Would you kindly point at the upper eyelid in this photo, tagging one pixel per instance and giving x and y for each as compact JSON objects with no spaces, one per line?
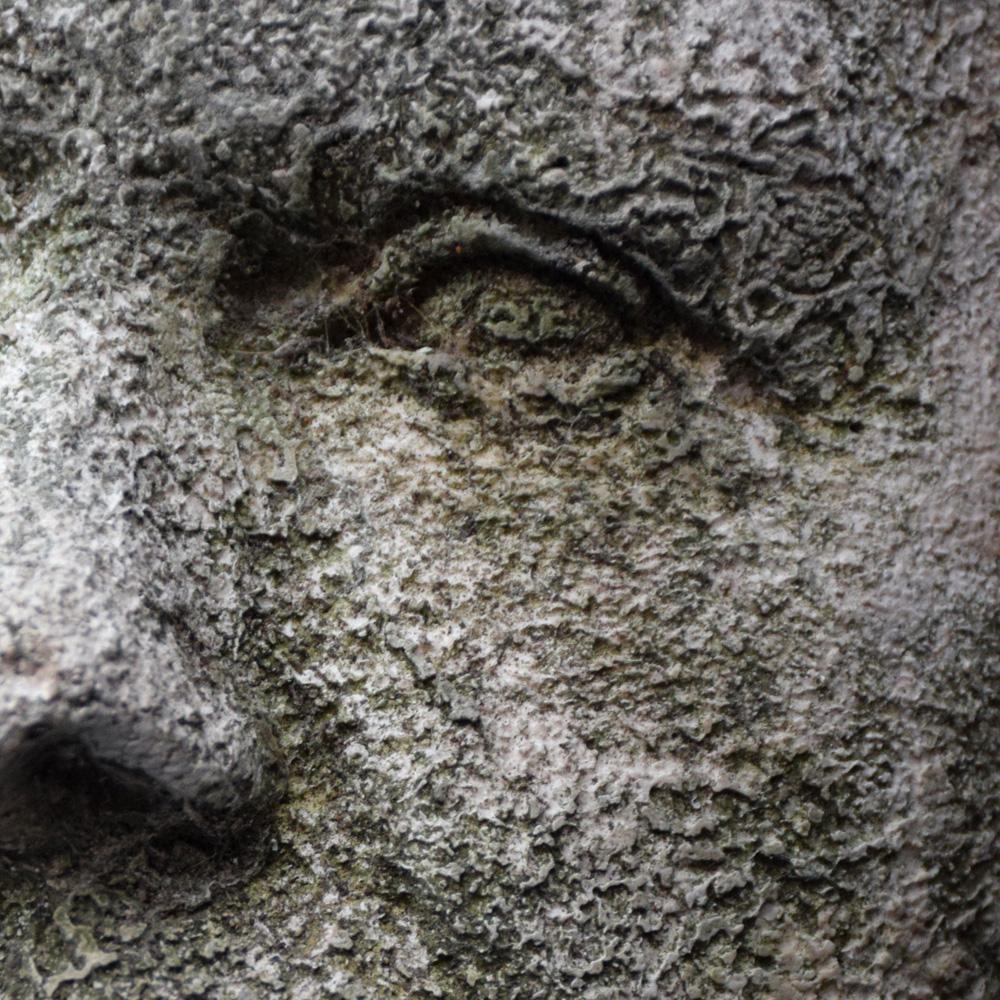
{"x":461,"y":239}
{"x":409,"y":263}
{"x":626,"y":278}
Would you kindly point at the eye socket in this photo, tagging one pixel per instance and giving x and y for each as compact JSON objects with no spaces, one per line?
{"x":531,"y":327}
{"x":472,"y":284}
{"x":481,"y":315}
{"x":534,"y":283}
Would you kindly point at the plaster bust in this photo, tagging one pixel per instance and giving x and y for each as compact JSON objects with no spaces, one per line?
{"x":498,"y":500}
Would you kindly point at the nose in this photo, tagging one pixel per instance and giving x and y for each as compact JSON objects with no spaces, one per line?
{"x":89,"y":653}
{"x":85,"y":660}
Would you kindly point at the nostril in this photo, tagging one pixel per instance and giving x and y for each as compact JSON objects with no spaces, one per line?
{"x":66,"y":782}
{"x":94,"y":684}
{"x":35,"y":733}
{"x":54,"y":795}
{"x":113,"y":745}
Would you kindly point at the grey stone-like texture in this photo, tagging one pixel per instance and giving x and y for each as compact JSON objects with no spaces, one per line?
{"x":499,"y":499}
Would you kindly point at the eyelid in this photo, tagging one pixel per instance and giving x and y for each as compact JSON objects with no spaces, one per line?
{"x":416,"y":254}
{"x":411,"y":263}
{"x":625,"y":278}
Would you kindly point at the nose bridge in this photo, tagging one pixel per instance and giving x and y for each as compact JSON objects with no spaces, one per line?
{"x":85,"y":654}
{"x":70,"y":563}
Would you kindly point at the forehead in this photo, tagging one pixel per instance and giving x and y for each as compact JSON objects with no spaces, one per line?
{"x":730,"y":48}
{"x":184,"y":63}
{"x":540,"y":75}
{"x":745,"y":149}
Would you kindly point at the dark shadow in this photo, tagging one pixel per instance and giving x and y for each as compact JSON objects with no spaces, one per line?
{"x":57,"y":800}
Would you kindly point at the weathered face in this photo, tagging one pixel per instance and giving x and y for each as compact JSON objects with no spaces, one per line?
{"x":563,"y":437}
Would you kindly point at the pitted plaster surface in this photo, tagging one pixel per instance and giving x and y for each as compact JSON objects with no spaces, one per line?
{"x":498,"y":500}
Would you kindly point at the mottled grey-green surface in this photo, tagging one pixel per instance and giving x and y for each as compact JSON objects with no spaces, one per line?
{"x":499,"y":499}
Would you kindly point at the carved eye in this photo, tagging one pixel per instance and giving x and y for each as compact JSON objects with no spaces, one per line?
{"x":479,"y":312}
{"x":490,"y":310}
{"x":487,"y":282}
{"x":480,"y":315}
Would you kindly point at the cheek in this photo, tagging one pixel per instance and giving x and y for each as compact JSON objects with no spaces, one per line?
{"x":620,"y":662}
{"x":662,"y":575}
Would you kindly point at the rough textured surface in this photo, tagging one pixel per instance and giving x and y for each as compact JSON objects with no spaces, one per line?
{"x":499,"y":499}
